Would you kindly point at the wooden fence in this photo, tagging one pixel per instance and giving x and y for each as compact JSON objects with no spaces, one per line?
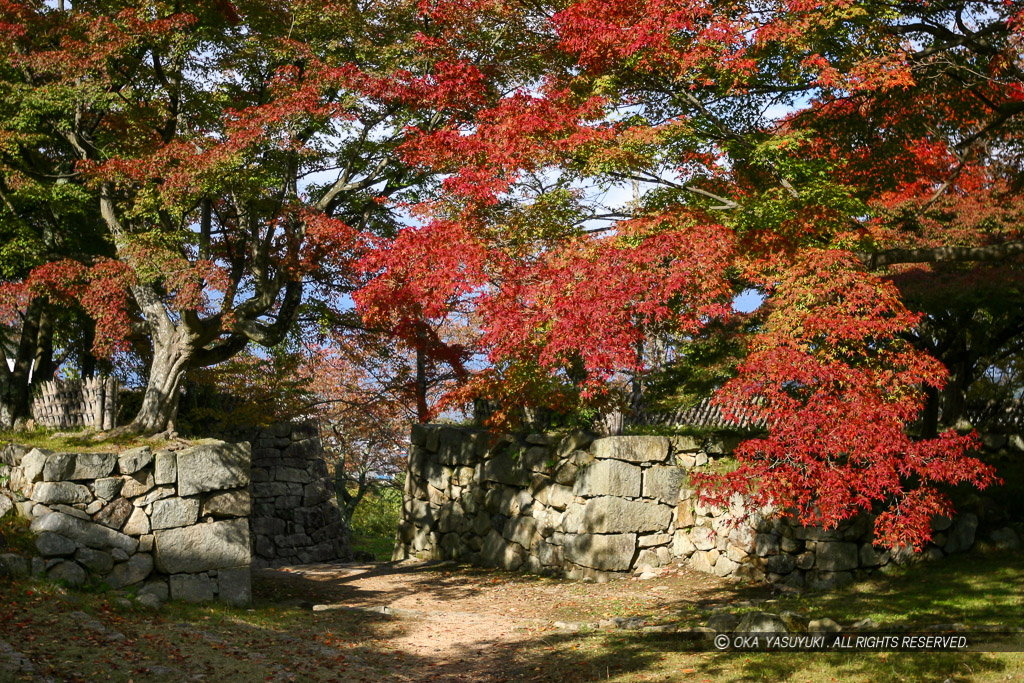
{"x":64,"y":404}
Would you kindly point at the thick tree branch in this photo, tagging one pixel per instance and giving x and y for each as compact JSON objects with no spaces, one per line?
{"x":991,"y":252}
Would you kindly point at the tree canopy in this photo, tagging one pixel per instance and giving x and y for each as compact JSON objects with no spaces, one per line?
{"x":582,"y":188}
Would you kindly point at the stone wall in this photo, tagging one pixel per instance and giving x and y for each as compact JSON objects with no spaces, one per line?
{"x":295,"y":514}
{"x":181,"y":523}
{"x":579,"y":506}
{"x":171,"y":522}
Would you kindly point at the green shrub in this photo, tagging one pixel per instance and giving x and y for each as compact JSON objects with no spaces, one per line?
{"x":375,"y":521}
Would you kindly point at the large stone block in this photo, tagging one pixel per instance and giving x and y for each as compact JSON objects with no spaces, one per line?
{"x":549,"y":493}
{"x":96,"y":561}
{"x":234,"y":586}
{"x":133,"y":460}
{"x":107,"y":488}
{"x":607,"y":552}
{"x":138,"y":484}
{"x":212,"y":467}
{"x":138,"y":523}
{"x":115,"y":514}
{"x":961,"y":534}
{"x":165,"y":467}
{"x":608,"y":478}
{"x":192,"y":587}
{"x":608,"y":514}
{"x":203,"y":546}
{"x":504,"y":470}
{"x":640,"y":449}
{"x":521,"y":530}
{"x":84,"y":532}
{"x":663,"y":483}
{"x":50,"y":492}
{"x":836,"y":556}
{"x":174,"y":512}
{"x":90,"y":465}
{"x":237,"y":503}
{"x":497,"y":552}
{"x":33,"y":464}
{"x":54,"y":545}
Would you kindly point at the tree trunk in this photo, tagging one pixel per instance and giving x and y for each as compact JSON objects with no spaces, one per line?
{"x":172,"y":351}
{"x":16,"y":376}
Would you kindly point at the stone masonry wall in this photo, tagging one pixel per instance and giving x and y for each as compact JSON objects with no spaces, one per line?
{"x":295,"y":515}
{"x":172,"y":523}
{"x":578,"y":506}
{"x":186,"y":524}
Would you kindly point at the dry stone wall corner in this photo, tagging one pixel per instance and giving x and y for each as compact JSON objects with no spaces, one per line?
{"x":182,"y":524}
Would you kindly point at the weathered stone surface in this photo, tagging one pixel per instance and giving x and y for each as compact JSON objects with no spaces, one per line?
{"x":96,"y":561}
{"x":137,"y":484}
{"x":14,"y":566}
{"x":138,"y":524}
{"x":497,"y":552}
{"x":50,"y":544}
{"x":91,"y":465}
{"x":824,"y":625}
{"x":135,"y":570}
{"x":115,"y":514}
{"x":234,"y":586}
{"x":174,"y":512}
{"x":961,"y":534}
{"x":632,"y":448}
{"x":607,"y":552}
{"x":83,"y":532}
{"x":107,"y":488}
{"x":165,"y":467}
{"x":608,"y":478}
{"x":780,"y":564}
{"x":761,"y":622}
{"x":682,"y":546}
{"x":92,"y":508}
{"x":725,"y":566}
{"x":1005,"y":539}
{"x":67,"y":572}
{"x":203,"y":547}
{"x":651,"y":540}
{"x":192,"y":587}
{"x":212,"y":467}
{"x":872,"y":557}
{"x":608,"y":514}
{"x":159,"y":493}
{"x":133,"y":460}
{"x":316,"y":492}
{"x":663,"y":483}
{"x":704,"y":560}
{"x":766,"y":544}
{"x":33,"y":463}
{"x":521,"y":530}
{"x":723,"y":622}
{"x":551,"y":494}
{"x":237,"y":503}
{"x":58,"y":466}
{"x":703,"y":538}
{"x":550,"y":555}
{"x":576,"y":441}
{"x":504,"y":470}
{"x":685,"y":444}
{"x":836,"y":556}
{"x":50,"y":492}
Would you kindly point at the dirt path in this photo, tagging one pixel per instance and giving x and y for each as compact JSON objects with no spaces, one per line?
{"x":474,"y":624}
